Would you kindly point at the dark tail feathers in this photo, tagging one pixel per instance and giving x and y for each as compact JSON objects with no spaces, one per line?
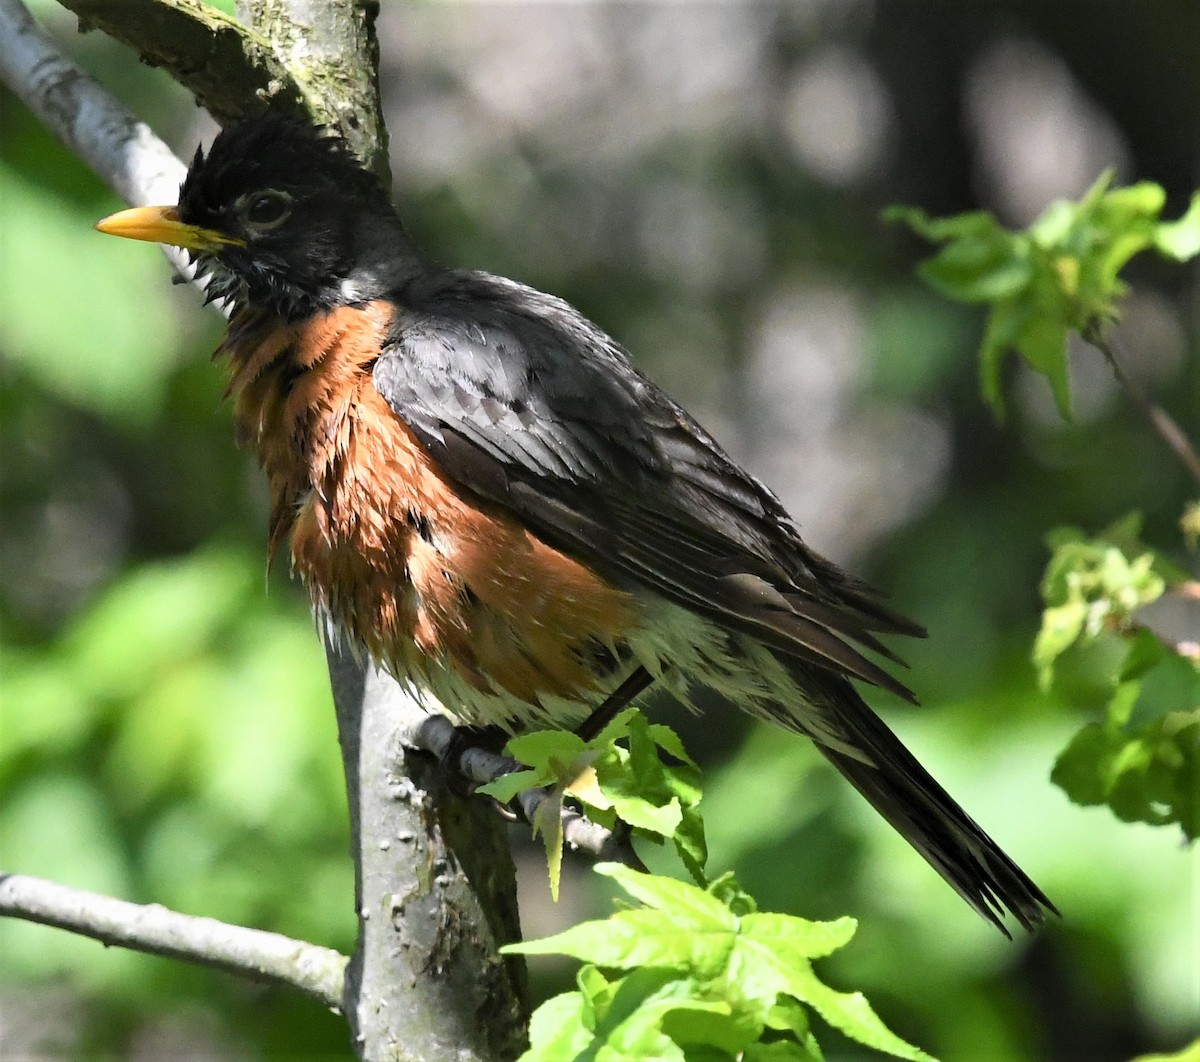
{"x":905,"y":794}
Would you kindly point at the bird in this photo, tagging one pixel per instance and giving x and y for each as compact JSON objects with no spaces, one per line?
{"x":483,"y":493}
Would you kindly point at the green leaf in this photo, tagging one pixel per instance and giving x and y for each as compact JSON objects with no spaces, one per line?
{"x":509,"y":785}
{"x":547,"y":821}
{"x":1090,"y":585}
{"x":974,"y":224}
{"x":711,"y":1024}
{"x":1151,"y":776}
{"x":556,"y":1031}
{"x":691,"y":845}
{"x":797,"y":936}
{"x":1061,"y":625}
{"x":685,"y":930}
{"x":1180,"y":239}
{"x":659,"y":892}
{"x":783,"y":1051}
{"x":1053,"y":226}
{"x":788,"y":1014}
{"x":1061,"y":274}
{"x":1043,"y":345}
{"x":1082,"y":768}
{"x":730,"y":893}
{"x":667,"y":740}
{"x":850,"y":1013}
{"x":617,"y":729}
{"x":597,"y":992}
{"x":632,"y":1028}
{"x":643,"y":791}
{"x":538,"y":747}
{"x":1170,"y":686}
{"x":738,"y":965}
{"x":1006,"y":321}
{"x":1189,"y":524}
{"x":984,"y":268}
{"x":1191,"y":1053}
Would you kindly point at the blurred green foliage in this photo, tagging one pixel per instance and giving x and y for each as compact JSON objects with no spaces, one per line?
{"x":174,"y":743}
{"x":1143,"y":758}
{"x":165,"y":732}
{"x":1059,"y":275}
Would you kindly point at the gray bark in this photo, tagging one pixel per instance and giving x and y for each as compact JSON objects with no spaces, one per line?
{"x":435,"y":885}
{"x":435,"y":890}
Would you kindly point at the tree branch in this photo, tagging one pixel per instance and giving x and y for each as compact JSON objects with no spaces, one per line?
{"x":207,"y":51}
{"x":317,"y":972}
{"x":234,"y":67}
{"x":435,"y":883}
{"x":435,"y":887}
{"x":122,"y":151}
{"x":1157,"y":417}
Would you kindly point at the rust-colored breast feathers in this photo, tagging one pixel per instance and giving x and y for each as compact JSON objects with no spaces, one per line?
{"x":417,"y":570}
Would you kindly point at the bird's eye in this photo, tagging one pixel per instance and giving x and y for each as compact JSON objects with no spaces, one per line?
{"x":265,"y":210}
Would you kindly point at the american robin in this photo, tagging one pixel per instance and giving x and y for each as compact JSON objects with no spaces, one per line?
{"x":479,"y":488}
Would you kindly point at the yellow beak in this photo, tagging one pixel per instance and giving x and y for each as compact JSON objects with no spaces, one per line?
{"x":162,"y":225}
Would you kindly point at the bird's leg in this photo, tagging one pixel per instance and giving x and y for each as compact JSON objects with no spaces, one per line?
{"x":493,"y":738}
{"x":637,"y":681}
{"x":490,"y":738}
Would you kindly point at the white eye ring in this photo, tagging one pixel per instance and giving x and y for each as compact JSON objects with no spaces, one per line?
{"x":265,"y":209}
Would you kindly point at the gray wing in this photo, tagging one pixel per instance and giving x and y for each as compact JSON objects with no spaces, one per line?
{"x":526,"y":404}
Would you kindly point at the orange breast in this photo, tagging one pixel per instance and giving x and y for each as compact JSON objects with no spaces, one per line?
{"x":416,"y":569}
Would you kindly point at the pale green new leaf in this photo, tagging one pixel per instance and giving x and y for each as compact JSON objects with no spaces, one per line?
{"x":556,"y":1031}
{"x":1180,"y":239}
{"x":509,"y":785}
{"x":783,"y":1051}
{"x":852,"y":1014}
{"x":643,"y":937}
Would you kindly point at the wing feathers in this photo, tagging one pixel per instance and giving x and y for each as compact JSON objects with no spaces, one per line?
{"x":531,"y":407}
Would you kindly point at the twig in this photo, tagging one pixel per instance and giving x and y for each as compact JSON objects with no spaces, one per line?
{"x":225,"y":64}
{"x":1157,"y":417}
{"x":125,"y":154}
{"x":233,"y":67}
{"x":436,"y":735}
{"x":434,"y":881}
{"x":317,"y":972}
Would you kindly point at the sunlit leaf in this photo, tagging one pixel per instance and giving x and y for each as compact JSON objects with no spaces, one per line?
{"x":1061,"y":274}
{"x":556,"y":1031}
{"x":1181,"y":239}
{"x":730,"y":967}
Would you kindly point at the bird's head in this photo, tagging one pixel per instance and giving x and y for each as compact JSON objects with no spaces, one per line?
{"x":282,"y":215}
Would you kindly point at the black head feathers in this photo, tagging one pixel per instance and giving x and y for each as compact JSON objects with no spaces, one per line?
{"x":313,"y":227}
{"x":274,"y":150}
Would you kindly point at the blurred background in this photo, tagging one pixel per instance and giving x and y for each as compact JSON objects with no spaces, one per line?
{"x":705,"y":181}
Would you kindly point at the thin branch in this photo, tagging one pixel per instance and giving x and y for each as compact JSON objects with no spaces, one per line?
{"x":226,"y":65}
{"x":86,"y":117}
{"x":1157,"y":417}
{"x":234,"y":67}
{"x":436,"y":735}
{"x":434,"y":880}
{"x":317,"y":972}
